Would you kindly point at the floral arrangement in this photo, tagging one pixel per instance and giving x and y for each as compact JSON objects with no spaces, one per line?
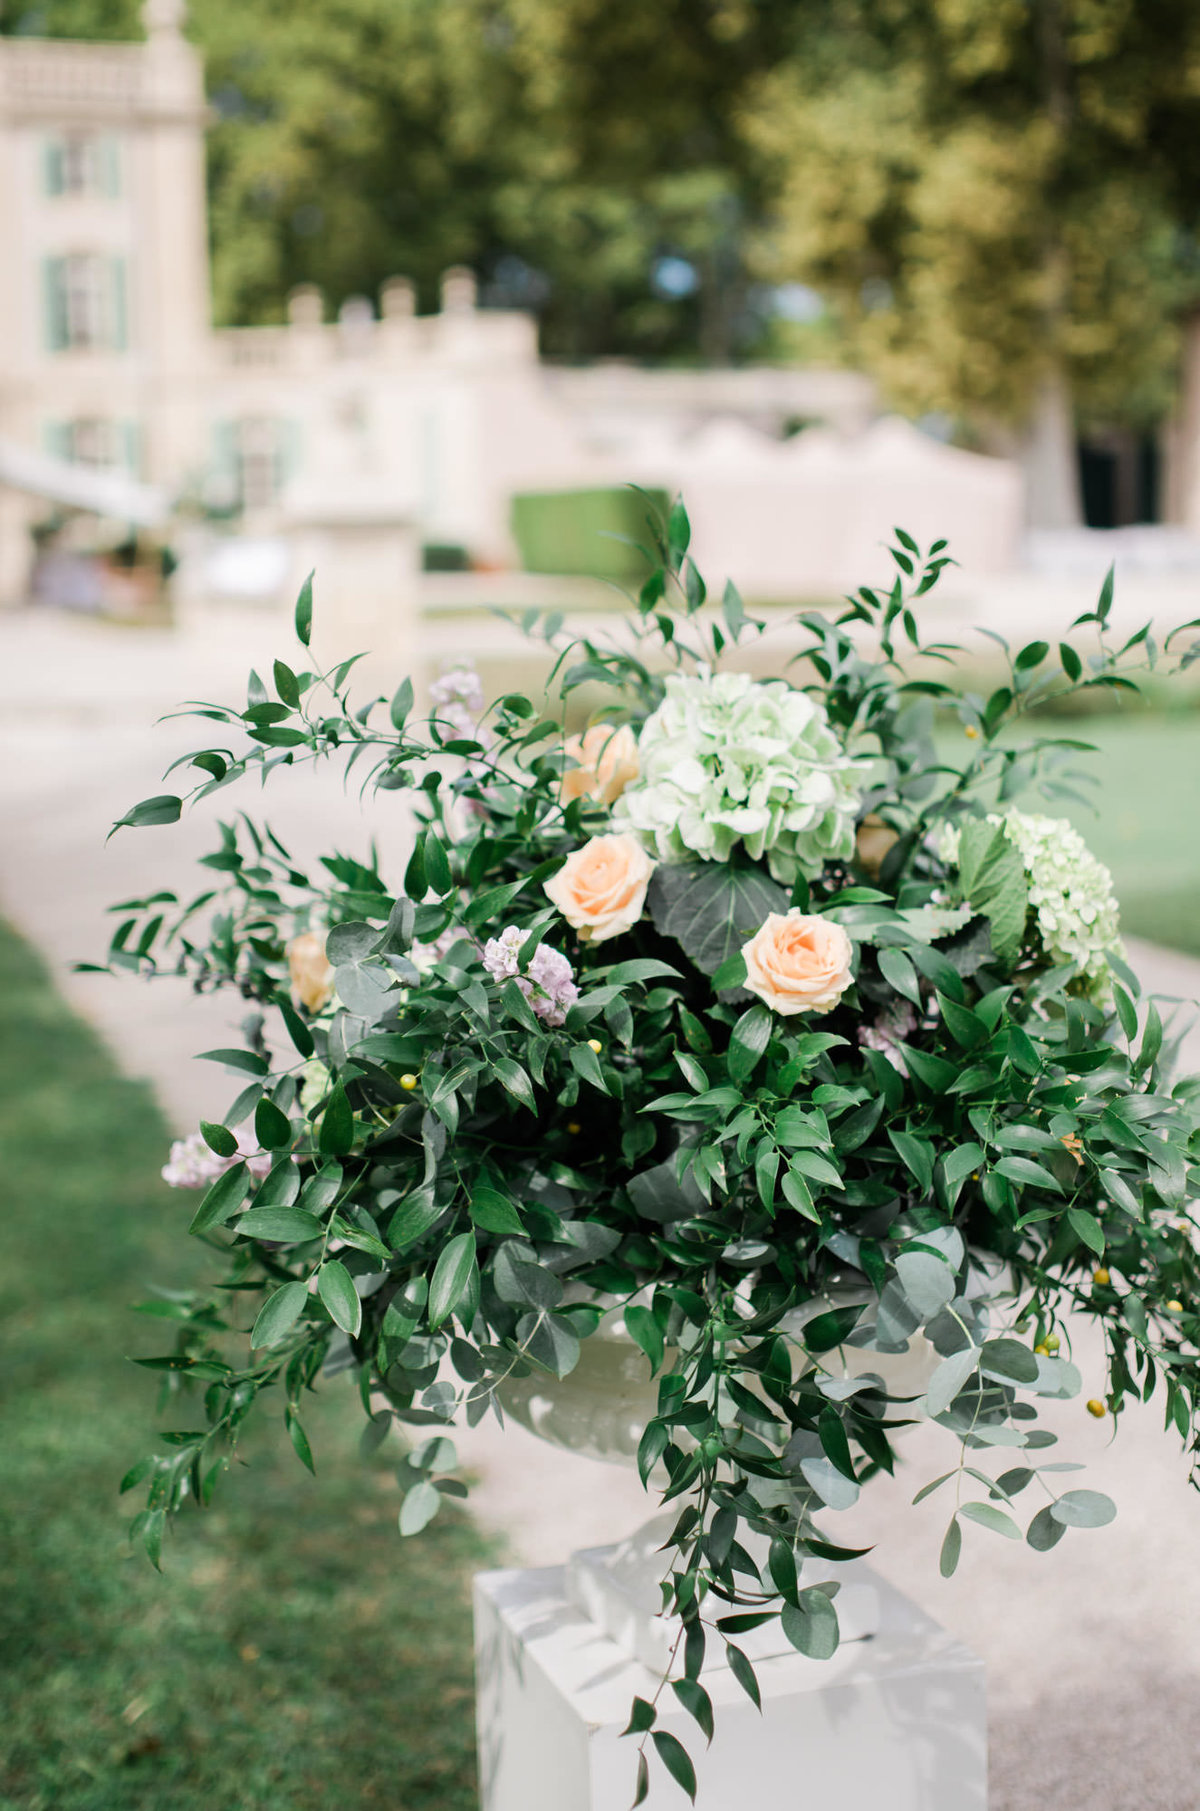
{"x":740,"y":1014}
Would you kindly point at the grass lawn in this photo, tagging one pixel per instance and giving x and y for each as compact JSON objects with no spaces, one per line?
{"x":1146,"y":825}
{"x":296,"y":1655}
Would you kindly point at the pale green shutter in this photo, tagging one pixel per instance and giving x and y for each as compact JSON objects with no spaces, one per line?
{"x":131,"y":446}
{"x":54,"y":303}
{"x":290,"y":454}
{"x":56,"y":438}
{"x":53,"y":178}
{"x":225,"y":487}
{"x":110,"y":165}
{"x":119,"y":310}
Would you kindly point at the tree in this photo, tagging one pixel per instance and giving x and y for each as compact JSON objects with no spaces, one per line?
{"x":1000,"y":198}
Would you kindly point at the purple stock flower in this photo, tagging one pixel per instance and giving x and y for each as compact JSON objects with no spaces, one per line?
{"x":191,"y":1163}
{"x":549,"y":985}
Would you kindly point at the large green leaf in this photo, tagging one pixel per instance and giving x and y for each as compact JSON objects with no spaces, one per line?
{"x":279,"y":1314}
{"x":993,"y":879}
{"x":712,"y":908}
{"x":451,"y":1277}
{"x":339,"y":1295}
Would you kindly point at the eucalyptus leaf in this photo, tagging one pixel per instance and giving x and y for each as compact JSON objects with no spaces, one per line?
{"x":950,"y":1377}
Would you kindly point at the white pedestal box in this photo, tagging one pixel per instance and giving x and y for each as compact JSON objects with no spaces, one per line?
{"x":896,"y":1719}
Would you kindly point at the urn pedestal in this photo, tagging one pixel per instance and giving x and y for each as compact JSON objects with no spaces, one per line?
{"x":897,"y":1718}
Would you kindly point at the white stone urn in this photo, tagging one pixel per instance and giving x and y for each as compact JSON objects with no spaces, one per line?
{"x":601,"y":1411}
{"x":602,"y":1407}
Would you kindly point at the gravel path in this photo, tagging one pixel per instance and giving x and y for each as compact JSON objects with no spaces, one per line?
{"x":1093,"y":1652}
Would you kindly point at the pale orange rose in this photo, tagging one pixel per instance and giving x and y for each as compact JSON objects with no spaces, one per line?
{"x":873,"y":842}
{"x":601,"y":889}
{"x":606,"y":763}
{"x":311,"y":969}
{"x":798,"y":962}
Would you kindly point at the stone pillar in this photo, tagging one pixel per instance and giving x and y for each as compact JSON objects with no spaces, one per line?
{"x":16,"y":548}
{"x":398,"y":328}
{"x":398,"y":299}
{"x":346,"y":523}
{"x":356,"y":327}
{"x":1181,"y":439}
{"x":308,"y":342}
{"x":460,"y":292}
{"x":897,"y":1718}
{"x":1050,"y":458}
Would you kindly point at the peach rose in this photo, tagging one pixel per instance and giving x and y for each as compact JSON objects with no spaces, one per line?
{"x":311,"y":969}
{"x":606,"y":763}
{"x":798,"y":962}
{"x":601,"y":889}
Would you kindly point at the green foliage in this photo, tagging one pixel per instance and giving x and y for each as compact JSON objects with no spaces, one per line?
{"x":991,"y":192}
{"x":509,"y":1127}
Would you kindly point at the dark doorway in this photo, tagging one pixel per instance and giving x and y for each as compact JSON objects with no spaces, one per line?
{"x":1119,"y":478}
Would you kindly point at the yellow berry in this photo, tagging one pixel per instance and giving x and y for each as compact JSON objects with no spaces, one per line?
{"x":596,"y":1045}
{"x":1043,"y":1351}
{"x":408,"y":1083}
{"x":574,"y":1128}
{"x":1096,"y":1408}
{"x":1174,"y":1307}
{"x":1101,"y":1278}
{"x":1053,"y":1342}
{"x":971,"y":731}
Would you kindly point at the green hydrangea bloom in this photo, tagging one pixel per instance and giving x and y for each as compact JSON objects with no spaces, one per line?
{"x":728,"y":760}
{"x":1070,"y":892}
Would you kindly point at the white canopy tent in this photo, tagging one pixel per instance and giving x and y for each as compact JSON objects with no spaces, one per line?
{"x":102,"y":493}
{"x":810,"y":517}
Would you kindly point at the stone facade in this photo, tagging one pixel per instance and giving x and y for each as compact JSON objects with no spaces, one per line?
{"x":104,"y":334}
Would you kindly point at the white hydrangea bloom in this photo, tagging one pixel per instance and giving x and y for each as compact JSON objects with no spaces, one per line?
{"x":727,"y":760}
{"x":1069,"y":890}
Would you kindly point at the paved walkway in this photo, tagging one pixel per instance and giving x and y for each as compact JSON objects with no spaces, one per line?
{"x":1093,"y":1651}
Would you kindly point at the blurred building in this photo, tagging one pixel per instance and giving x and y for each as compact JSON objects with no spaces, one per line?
{"x":109,"y":364}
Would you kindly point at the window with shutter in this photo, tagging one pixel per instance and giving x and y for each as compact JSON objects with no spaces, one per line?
{"x":131,"y":437}
{"x":54,"y":303}
{"x":82,"y":163}
{"x":118,"y":306}
{"x":110,"y":165}
{"x":53,"y":177}
{"x":260,"y":458}
{"x":56,"y":439}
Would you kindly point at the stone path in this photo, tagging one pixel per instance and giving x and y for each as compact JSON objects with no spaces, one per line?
{"x":1093,"y":1651}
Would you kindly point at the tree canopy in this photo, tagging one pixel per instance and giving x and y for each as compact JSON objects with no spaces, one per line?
{"x":988,"y":188}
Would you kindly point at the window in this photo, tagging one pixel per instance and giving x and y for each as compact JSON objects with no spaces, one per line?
{"x":253,"y":459}
{"x":85,"y":303}
{"x":261,"y":462}
{"x":83,"y":163}
{"x":95,"y":441}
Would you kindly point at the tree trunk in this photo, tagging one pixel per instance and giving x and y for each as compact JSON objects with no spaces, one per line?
{"x":1053,"y":498}
{"x":1181,"y":439}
